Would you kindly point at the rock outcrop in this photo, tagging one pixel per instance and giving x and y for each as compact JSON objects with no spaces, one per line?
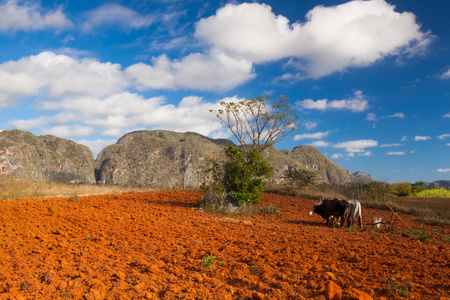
{"x":44,"y":158}
{"x":164,"y":159}
{"x":158,"y":158}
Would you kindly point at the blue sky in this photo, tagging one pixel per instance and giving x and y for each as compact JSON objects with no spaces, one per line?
{"x":370,"y":80}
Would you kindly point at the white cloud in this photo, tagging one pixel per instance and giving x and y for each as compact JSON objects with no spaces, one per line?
{"x":317,"y":135}
{"x":356,"y":146}
{"x":446,"y":74}
{"x":69,"y":130}
{"x":443,"y":136}
{"x":337,"y":155}
{"x":390,"y":145}
{"x":30,"y":16}
{"x":371,"y":117}
{"x":447,"y":115}
{"x":96,"y":145}
{"x":443,"y":170}
{"x":356,"y":104}
{"x":116,"y":15}
{"x":320,"y":144}
{"x":421,"y":138}
{"x":396,"y":153}
{"x":120,"y":113}
{"x":216,"y":71}
{"x":310,"y":125}
{"x":397,"y":115}
{"x":49,"y":74}
{"x":353,"y":34}
{"x":404,"y":139}
{"x":367,"y":153}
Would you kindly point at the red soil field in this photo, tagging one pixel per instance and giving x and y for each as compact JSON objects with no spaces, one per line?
{"x":158,"y":246}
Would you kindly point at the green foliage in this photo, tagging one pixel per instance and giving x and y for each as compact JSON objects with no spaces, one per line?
{"x":244,"y":174}
{"x":394,"y":286}
{"x":301,"y":177}
{"x":417,"y":188}
{"x":401,"y":188}
{"x":208,"y":261}
{"x":421,"y":234}
{"x":256,"y":124}
{"x":434,"y":193}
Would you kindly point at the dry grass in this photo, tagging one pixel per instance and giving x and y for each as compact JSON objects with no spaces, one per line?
{"x":11,"y":189}
{"x":313,"y":193}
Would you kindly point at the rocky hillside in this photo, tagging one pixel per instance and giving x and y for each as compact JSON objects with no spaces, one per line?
{"x":26,"y":156}
{"x":444,"y":184}
{"x":163,"y":158}
{"x":361,"y":177}
{"x":158,"y":158}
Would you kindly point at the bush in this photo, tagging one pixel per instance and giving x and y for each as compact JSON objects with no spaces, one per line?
{"x":237,"y":185}
{"x":401,"y":189}
{"x":301,"y":177}
{"x":244,"y":174}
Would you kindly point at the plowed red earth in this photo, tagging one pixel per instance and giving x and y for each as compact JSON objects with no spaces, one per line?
{"x":158,"y":245}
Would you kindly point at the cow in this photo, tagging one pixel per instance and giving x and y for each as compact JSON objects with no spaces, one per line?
{"x":336,"y":208}
{"x":354,"y":209}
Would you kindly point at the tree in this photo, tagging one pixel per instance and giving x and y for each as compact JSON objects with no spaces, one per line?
{"x":301,"y":177}
{"x":258,"y":123}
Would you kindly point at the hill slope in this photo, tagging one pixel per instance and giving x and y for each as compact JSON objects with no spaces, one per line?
{"x":26,"y":156}
{"x":161,"y":158}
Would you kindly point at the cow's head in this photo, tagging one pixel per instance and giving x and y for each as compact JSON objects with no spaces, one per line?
{"x":317,"y":207}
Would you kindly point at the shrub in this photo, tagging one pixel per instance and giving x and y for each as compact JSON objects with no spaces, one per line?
{"x":401,"y":188}
{"x":301,"y":177}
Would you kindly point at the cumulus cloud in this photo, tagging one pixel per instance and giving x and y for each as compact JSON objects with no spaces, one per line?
{"x":443,"y":136}
{"x":69,"y":130}
{"x":447,"y":115}
{"x":55,"y":75}
{"x":320,"y":144}
{"x":357,"y":103}
{"x":422,"y":138}
{"x":353,"y":34}
{"x":96,"y":145}
{"x":317,"y":136}
{"x":215,"y":71}
{"x":356,"y":146}
{"x":443,"y":170}
{"x":396,"y":153}
{"x":117,"y":114}
{"x":30,"y":16}
{"x":116,"y":15}
{"x":337,"y":155}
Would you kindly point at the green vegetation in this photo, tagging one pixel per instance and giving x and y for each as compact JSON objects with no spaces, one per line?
{"x":394,"y":286}
{"x":301,"y":177}
{"x":421,"y":234}
{"x":208,"y":261}
{"x":256,"y":125}
{"x":434,"y":193}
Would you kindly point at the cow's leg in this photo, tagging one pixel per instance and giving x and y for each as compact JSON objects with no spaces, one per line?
{"x":359,"y":220}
